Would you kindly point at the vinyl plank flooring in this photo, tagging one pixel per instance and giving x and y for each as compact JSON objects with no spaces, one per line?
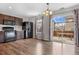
{"x":37,"y":47}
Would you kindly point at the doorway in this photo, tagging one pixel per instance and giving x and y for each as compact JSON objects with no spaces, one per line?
{"x":63,"y":29}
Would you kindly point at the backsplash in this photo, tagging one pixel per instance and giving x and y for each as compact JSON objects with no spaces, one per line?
{"x":16,"y":27}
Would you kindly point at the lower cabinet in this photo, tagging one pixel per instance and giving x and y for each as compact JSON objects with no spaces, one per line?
{"x":19,"y":35}
{"x":1,"y":36}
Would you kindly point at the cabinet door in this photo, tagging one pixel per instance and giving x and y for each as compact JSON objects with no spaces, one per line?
{"x":12,"y":19}
{"x":1,"y":19}
{"x":18,"y":21}
{"x":6,"y":17}
{"x":1,"y":36}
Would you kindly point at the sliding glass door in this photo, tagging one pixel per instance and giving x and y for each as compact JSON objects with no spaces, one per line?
{"x":63,"y":30}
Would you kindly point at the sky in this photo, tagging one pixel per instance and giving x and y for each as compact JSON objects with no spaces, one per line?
{"x":58,"y":19}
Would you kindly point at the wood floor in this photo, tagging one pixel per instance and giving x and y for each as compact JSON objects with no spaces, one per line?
{"x":36,"y":47}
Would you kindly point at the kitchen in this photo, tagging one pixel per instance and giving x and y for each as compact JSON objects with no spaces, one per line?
{"x":11,"y":28}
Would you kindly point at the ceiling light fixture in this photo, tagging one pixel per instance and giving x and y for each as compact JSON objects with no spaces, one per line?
{"x":10,"y":7}
{"x":47,"y":12}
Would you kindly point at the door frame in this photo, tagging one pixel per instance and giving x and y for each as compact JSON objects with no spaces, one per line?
{"x":51,"y":35}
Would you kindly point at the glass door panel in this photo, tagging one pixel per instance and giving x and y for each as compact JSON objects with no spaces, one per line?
{"x":58,"y":32}
{"x":63,"y":30}
{"x":69,"y":32}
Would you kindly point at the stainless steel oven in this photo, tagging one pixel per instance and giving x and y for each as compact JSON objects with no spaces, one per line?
{"x":9,"y":34}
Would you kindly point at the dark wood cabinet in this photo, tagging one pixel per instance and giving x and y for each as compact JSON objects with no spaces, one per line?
{"x":7,"y":17}
{"x":1,"y":36}
{"x":8,"y":20}
{"x":1,"y":19}
{"x":18,"y":21}
{"x":11,"y":20}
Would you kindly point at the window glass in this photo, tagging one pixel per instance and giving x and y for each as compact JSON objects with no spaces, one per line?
{"x":58,"y":19}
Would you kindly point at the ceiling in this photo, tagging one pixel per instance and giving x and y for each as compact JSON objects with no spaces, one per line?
{"x":30,"y":9}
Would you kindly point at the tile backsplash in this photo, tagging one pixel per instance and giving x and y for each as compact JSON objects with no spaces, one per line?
{"x":16,"y":27}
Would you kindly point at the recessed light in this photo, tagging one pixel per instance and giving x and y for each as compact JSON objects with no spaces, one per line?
{"x":10,"y":7}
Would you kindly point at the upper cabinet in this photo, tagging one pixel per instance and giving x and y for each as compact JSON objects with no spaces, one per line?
{"x":18,"y":21}
{"x":6,"y":17}
{"x":1,"y":19}
{"x":10,"y":20}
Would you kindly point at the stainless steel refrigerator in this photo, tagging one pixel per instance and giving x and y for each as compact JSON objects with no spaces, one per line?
{"x":28,"y":29}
